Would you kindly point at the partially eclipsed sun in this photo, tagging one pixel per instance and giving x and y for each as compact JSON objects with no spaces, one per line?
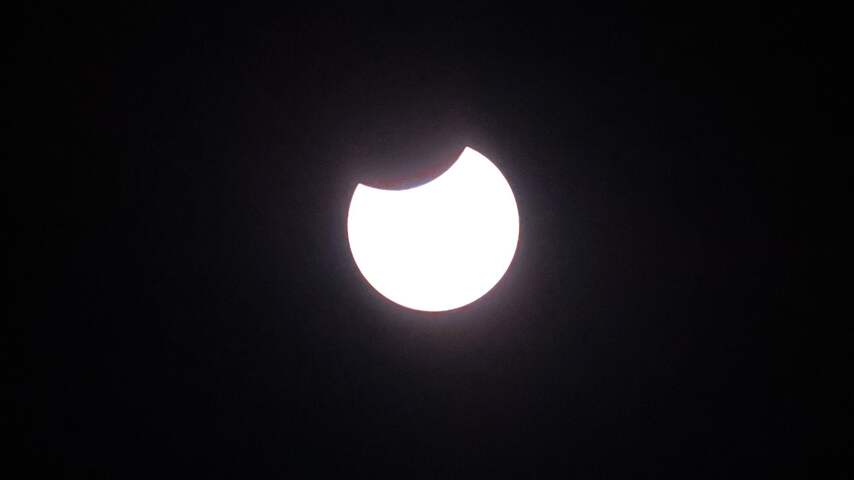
{"x":441,"y":245}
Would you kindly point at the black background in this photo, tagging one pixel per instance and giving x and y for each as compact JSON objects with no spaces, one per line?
{"x":184,"y":303}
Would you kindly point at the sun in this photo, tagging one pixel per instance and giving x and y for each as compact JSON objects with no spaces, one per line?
{"x":441,"y":245}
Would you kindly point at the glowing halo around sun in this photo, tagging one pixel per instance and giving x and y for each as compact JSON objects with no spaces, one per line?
{"x":441,"y":245}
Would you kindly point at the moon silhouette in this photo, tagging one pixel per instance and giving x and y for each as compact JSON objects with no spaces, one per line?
{"x":440,"y":245}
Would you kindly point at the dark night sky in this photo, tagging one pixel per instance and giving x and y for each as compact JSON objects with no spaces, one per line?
{"x":184,"y":303}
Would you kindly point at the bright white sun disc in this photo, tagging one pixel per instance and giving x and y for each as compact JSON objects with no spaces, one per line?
{"x":441,"y":245}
